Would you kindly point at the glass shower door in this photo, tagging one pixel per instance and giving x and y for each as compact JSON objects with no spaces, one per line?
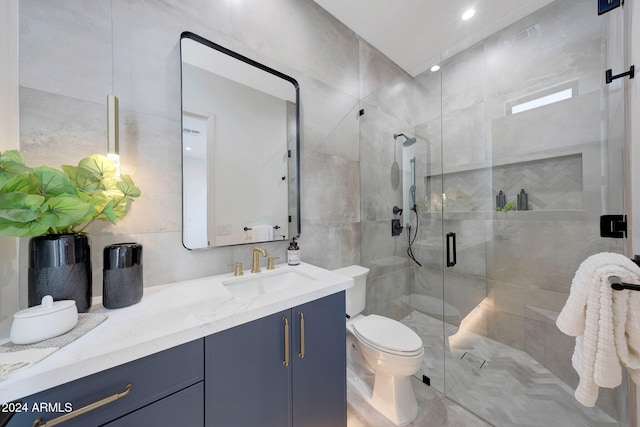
{"x":532,"y":156}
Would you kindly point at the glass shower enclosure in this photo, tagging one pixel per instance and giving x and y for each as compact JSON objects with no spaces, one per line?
{"x":520,"y":149}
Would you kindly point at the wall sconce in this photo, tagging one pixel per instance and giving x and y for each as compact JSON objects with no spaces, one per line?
{"x":113,"y":143}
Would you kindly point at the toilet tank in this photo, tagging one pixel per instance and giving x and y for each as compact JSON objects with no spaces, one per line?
{"x":356,"y":296}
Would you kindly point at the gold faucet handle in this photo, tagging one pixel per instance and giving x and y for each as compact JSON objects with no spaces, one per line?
{"x":238,"y":268}
{"x":270,"y":265}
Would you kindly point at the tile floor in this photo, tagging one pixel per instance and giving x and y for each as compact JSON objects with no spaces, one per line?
{"x":499,"y":384}
{"x":434,"y":410}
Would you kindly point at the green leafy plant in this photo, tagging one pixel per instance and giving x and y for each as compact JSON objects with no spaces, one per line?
{"x":511,"y":206}
{"x":44,"y":200}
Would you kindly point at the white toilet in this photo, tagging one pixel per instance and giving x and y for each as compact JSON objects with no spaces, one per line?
{"x":385,"y":347}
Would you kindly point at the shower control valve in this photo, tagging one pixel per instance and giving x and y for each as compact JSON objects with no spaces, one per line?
{"x":396,"y":227}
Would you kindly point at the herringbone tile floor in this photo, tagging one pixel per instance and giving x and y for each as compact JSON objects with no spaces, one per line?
{"x":489,"y":381}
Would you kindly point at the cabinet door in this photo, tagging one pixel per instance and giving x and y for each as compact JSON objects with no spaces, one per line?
{"x":184,"y":408}
{"x":246,"y":382}
{"x":151,"y":378}
{"x":319,"y":375}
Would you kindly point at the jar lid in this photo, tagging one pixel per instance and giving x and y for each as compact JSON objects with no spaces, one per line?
{"x":122,"y":255}
{"x":47,"y":306}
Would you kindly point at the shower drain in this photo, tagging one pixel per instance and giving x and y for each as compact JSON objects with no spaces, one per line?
{"x":475,"y":361}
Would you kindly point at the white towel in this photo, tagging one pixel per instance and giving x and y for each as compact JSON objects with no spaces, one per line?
{"x":605,"y":322}
{"x":262,"y":233}
{"x":628,"y":334}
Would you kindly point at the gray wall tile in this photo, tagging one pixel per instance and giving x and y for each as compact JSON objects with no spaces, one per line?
{"x":65,"y":48}
{"x":73,"y":55}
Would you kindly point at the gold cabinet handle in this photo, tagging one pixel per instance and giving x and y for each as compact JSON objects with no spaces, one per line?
{"x":90,"y":407}
{"x":285,"y":362}
{"x":301,"y":354}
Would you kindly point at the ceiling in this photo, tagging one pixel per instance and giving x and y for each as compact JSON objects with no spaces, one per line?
{"x":413,"y":33}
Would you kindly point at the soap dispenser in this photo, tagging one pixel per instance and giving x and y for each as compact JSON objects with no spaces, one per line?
{"x":293,"y":253}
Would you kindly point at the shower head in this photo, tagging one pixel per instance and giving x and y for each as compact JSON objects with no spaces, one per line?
{"x":407,"y":141}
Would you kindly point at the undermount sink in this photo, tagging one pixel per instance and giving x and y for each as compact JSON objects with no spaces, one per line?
{"x":267,"y":282}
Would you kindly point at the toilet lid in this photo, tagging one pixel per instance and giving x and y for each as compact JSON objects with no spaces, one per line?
{"x":388,"y":335}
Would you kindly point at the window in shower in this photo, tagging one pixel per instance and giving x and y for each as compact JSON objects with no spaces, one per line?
{"x":546,"y":97}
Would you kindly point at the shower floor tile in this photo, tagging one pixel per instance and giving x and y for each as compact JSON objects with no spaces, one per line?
{"x":509,"y":389}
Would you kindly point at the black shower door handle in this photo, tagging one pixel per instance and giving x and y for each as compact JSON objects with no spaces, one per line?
{"x":451,"y":244}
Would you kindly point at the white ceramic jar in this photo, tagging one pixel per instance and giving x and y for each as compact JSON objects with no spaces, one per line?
{"x":44,"y":321}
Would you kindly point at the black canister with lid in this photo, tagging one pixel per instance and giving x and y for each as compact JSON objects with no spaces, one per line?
{"x":122,"y":279}
{"x":60,"y":266}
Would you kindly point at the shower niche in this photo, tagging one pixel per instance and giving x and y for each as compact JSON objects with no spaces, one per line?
{"x":553,"y":184}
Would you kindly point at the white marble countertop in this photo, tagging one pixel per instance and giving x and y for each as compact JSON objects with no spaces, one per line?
{"x":167,"y":316}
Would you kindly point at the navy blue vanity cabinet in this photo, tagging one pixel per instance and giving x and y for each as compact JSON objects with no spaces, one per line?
{"x":246,"y":380}
{"x":319,"y":366}
{"x":163,"y":386}
{"x":284,"y":370}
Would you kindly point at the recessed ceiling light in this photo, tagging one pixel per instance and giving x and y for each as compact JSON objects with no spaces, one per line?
{"x":435,"y":68}
{"x":468,"y":14}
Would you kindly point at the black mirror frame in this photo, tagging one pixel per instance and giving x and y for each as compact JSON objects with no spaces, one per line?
{"x":294,"y":82}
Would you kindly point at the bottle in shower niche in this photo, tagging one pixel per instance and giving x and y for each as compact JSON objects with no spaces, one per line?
{"x":522,"y":201}
{"x":501,"y":200}
{"x":293,"y":253}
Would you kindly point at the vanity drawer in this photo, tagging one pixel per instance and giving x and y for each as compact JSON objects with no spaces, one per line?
{"x":184,"y":408}
{"x":152,"y":378}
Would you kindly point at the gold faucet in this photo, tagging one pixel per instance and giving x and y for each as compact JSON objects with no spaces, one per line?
{"x":255,"y":267}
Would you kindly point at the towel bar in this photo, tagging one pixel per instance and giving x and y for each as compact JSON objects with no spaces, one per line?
{"x":617,"y":285}
{"x":275,"y":227}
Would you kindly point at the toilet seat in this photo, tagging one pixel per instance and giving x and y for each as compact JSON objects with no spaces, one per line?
{"x":388,"y":335}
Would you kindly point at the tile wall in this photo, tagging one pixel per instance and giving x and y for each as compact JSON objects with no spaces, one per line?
{"x":8,"y":140}
{"x":74,"y":53}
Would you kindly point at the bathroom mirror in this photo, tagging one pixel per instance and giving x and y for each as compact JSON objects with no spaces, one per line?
{"x":240,"y":148}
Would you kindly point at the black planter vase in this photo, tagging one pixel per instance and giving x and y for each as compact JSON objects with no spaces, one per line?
{"x":60,"y":266}
{"x":122,"y":275}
